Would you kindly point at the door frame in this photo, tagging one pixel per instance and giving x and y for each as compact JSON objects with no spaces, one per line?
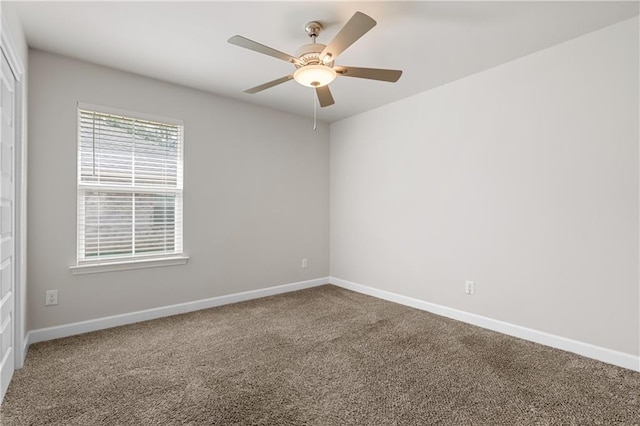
{"x":10,"y":51}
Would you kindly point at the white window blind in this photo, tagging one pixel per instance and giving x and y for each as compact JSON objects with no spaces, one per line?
{"x":129,"y":186}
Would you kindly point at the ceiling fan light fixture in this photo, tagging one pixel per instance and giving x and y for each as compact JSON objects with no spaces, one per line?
{"x":315,"y":75}
{"x":315,"y":62}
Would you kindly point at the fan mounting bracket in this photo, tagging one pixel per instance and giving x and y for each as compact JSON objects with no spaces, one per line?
{"x":313,"y":29}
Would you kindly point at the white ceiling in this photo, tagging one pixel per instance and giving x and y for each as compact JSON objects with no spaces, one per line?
{"x":186,"y":42}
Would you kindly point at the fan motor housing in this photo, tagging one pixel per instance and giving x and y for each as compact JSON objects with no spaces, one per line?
{"x":309,"y":54}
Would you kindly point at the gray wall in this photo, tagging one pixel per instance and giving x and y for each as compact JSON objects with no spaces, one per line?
{"x":255,"y":199}
{"x":523,"y":178}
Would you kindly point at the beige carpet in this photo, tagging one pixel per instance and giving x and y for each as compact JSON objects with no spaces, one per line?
{"x":324,"y":356}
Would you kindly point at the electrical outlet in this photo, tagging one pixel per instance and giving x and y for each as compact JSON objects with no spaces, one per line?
{"x":469,"y":287}
{"x":51,"y":298}
{"x":305,"y":263}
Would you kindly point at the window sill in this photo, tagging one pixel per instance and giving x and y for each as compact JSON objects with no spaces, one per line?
{"x":125,"y":265}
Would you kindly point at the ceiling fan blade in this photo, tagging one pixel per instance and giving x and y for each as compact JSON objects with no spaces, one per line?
{"x":269,"y":84}
{"x":370,"y":73}
{"x":356,"y":27}
{"x":261,"y":48}
{"x":324,"y":96}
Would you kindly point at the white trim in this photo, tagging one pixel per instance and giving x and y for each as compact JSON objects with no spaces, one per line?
{"x":25,"y":346}
{"x":125,"y":265}
{"x":588,"y":350}
{"x":66,"y":330}
{"x":638,"y":177}
{"x":10,"y":50}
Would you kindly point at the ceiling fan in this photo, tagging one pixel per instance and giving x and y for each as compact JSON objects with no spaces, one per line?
{"x":315,"y":62}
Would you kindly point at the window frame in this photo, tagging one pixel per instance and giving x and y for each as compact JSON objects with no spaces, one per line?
{"x":107,"y":264}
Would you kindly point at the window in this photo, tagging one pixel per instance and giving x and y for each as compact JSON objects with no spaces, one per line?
{"x":129,"y":186}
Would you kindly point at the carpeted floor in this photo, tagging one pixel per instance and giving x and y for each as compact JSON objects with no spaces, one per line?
{"x":323,"y":356}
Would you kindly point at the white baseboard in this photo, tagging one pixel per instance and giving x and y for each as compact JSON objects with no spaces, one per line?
{"x":49,"y":333}
{"x":588,"y":350}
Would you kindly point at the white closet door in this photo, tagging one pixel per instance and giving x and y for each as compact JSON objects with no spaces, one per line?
{"x":7,"y":224}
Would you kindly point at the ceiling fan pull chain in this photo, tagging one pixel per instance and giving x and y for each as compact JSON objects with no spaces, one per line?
{"x":315,"y":111}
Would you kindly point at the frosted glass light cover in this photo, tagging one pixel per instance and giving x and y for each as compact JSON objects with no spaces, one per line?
{"x":314,"y":75}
